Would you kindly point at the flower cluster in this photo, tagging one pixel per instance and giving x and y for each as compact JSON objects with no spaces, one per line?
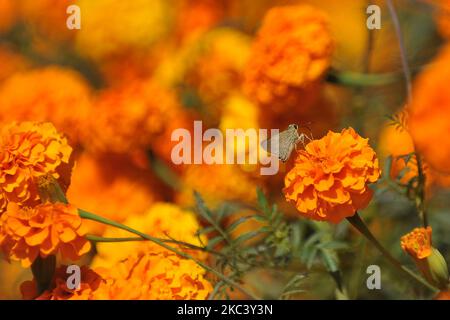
{"x":290,"y":55}
{"x":30,"y":150}
{"x":329,"y":180}
{"x":46,"y":229}
{"x":155,"y":276}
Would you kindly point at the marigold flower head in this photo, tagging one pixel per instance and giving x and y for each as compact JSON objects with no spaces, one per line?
{"x":126,"y":119}
{"x":162,"y":220}
{"x":289,"y":57}
{"x":155,"y":276}
{"x":53,"y":94}
{"x":417,"y":243}
{"x":329,"y":180}
{"x":30,"y":150}
{"x":47,"y":229}
{"x":430,"y":111}
{"x":113,"y":26}
{"x":112,"y":186}
{"x":90,"y":282}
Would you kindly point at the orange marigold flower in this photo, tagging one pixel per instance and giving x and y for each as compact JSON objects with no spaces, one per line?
{"x":90,"y":281}
{"x":128,"y":118}
{"x":53,"y":94}
{"x":30,"y":150}
{"x":47,"y":229}
{"x":158,"y":221}
{"x":155,"y":276}
{"x":289,"y":57}
{"x":417,"y":243}
{"x":329,"y":178}
{"x":430,"y":111}
{"x":398,"y":143}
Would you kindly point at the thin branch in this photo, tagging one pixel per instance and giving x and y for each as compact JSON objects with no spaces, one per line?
{"x":90,"y":216}
{"x":403,"y":56}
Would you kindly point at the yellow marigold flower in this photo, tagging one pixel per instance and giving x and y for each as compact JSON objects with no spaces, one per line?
{"x":417,"y":243}
{"x":112,"y":26}
{"x":90,"y":281}
{"x":216,"y":69}
{"x":47,"y":229}
{"x":53,"y":94}
{"x":229,"y":183}
{"x":162,"y":220}
{"x":128,"y":118}
{"x":113,"y":187}
{"x":29,"y":150}
{"x":289,"y":57}
{"x":430,"y":111}
{"x":329,"y":179}
{"x":155,"y":276}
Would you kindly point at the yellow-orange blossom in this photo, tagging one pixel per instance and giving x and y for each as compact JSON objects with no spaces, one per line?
{"x":47,"y":229}
{"x":329,"y":180}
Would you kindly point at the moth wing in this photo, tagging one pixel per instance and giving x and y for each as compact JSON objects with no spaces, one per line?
{"x":287,"y":145}
{"x":267,"y":144}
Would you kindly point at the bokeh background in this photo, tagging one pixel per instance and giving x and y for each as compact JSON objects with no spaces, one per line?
{"x":137,"y":70}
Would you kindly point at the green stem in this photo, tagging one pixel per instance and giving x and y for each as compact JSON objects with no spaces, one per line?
{"x":357,"y":222}
{"x":355,"y":79}
{"x":401,"y":44}
{"x":90,"y":216}
{"x":420,"y":193}
{"x":95,"y":238}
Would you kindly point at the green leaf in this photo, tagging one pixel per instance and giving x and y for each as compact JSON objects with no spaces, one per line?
{"x":237,"y":223}
{"x":329,"y":260}
{"x":205,"y":230}
{"x":311,"y":257}
{"x":387,"y":167}
{"x":214,"y":241}
{"x":262,"y":201}
{"x":248,"y":235}
{"x":333,"y":245}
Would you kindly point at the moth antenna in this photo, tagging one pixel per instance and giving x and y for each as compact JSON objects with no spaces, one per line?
{"x":307,"y":126}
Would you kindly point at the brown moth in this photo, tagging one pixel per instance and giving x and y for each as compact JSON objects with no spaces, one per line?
{"x":287,"y":140}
